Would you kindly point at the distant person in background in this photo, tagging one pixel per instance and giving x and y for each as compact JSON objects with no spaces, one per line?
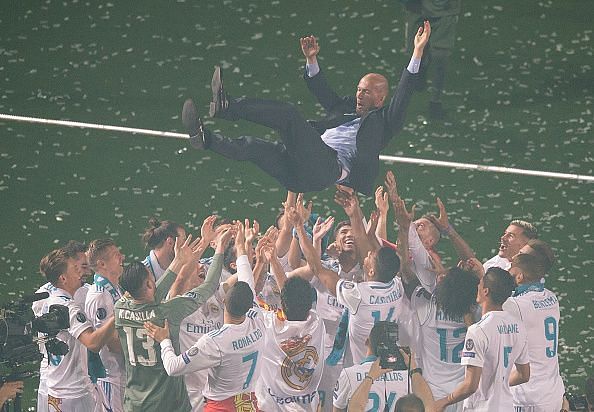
{"x":515,"y":237}
{"x":159,"y":237}
{"x":9,"y":390}
{"x":443,"y":16}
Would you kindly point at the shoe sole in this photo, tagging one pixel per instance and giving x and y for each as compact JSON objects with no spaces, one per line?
{"x":216,"y":86}
{"x":191,"y":121}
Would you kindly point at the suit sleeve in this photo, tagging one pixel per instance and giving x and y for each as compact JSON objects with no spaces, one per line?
{"x":327,"y":97}
{"x":395,"y":112}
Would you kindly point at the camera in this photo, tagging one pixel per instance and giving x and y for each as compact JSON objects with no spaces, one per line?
{"x":577,"y":402}
{"x":387,"y":348}
{"x":19,"y":342}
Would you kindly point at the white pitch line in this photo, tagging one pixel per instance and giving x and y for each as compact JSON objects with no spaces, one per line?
{"x":386,"y":158}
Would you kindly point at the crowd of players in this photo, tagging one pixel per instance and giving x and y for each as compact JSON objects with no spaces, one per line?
{"x":286,"y":320}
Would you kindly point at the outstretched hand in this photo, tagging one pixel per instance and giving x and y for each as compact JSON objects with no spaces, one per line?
{"x":158,"y":333}
{"x":403,"y":217}
{"x":347,"y":199}
{"x":322,"y":227}
{"x":391,"y":186}
{"x":185,"y":249}
{"x":303,"y":209}
{"x":207,"y":231}
{"x":421,"y":39}
{"x":310,"y":48}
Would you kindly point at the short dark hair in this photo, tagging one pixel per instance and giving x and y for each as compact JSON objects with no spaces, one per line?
{"x":296,"y":298}
{"x":133,"y":277}
{"x":74,"y":247}
{"x":340,"y":225}
{"x":528,"y":229}
{"x":500,"y":284}
{"x":387,"y":264}
{"x":54,"y":264}
{"x":239,"y":299}
{"x":532,"y":266}
{"x":456,"y":292}
{"x":409,"y":403}
{"x":544,"y":252}
{"x":97,"y":249}
{"x":159,"y":231}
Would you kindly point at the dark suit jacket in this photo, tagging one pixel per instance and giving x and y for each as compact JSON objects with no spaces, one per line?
{"x":376,"y":129}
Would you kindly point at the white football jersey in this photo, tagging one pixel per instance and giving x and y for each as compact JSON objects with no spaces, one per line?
{"x":440,"y":345}
{"x":231,"y":354}
{"x":497,"y":262}
{"x":384,"y":391}
{"x":538,"y":308}
{"x":208,"y":318}
{"x":99,"y":308}
{"x":326,"y":304}
{"x":67,"y":375}
{"x":269,"y":296}
{"x":421,"y":261}
{"x":495,"y":344}
{"x":368,"y":302}
{"x":37,"y":307}
{"x":152,"y":264}
{"x":292,"y":364}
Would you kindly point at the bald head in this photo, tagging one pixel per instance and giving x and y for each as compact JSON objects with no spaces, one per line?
{"x":372,"y":90}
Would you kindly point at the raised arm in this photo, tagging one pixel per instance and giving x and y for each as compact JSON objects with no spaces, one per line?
{"x":310,"y":49}
{"x":347,"y":198}
{"x":382,"y":205}
{"x":244,"y":268}
{"x":285,"y":235}
{"x":184,"y":250}
{"x":404,"y":221}
{"x":320,"y":230}
{"x":442,"y":223}
{"x":326,"y":276}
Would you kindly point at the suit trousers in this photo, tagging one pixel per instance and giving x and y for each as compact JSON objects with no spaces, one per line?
{"x":301,"y":161}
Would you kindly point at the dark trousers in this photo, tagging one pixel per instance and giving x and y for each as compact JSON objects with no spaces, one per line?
{"x":302,"y":162}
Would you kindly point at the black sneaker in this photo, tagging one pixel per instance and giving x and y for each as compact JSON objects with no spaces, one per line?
{"x":220,"y":101}
{"x":193,"y":125}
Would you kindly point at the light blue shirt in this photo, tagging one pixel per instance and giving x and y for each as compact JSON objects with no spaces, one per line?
{"x":343,"y":139}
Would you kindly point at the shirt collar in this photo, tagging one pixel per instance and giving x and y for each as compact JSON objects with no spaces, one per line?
{"x":529,"y":287}
{"x":370,"y":358}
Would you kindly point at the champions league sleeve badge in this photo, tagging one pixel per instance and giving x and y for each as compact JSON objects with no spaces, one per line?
{"x":81,"y":317}
{"x":101,"y":313}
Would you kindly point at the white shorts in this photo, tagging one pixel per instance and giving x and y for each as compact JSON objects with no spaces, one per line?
{"x":113,"y":396}
{"x":88,"y":403}
{"x":42,"y":396}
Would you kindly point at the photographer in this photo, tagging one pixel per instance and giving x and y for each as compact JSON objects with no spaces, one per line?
{"x":365,"y":386}
{"x":68,"y":383}
{"x":9,"y":390}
